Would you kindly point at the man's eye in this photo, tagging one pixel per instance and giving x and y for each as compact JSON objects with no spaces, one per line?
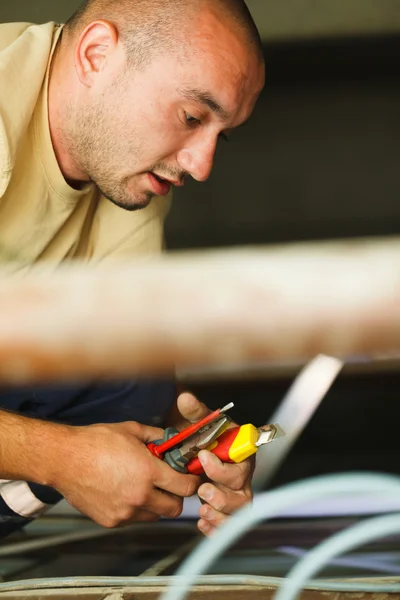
{"x":191,"y":120}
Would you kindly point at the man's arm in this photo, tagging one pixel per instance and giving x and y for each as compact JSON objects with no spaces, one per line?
{"x":30,"y":449}
{"x":105,"y":471}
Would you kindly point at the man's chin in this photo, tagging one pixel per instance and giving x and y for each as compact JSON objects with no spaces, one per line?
{"x":130,"y":204}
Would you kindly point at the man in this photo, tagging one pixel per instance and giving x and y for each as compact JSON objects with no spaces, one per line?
{"x":100,"y":118}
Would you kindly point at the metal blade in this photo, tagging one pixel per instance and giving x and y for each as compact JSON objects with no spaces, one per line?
{"x":204,"y":437}
{"x":294,"y":412}
{"x":268,"y":434}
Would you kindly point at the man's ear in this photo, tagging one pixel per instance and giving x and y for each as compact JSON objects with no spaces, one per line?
{"x":95,"y":45}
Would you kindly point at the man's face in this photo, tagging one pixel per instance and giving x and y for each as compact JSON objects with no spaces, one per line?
{"x":142,"y":132}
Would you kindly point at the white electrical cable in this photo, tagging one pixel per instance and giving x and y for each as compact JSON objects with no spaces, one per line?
{"x":271,"y":504}
{"x":378,"y":562}
{"x":339,"y":543}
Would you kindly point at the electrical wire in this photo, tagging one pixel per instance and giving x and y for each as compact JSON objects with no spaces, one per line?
{"x":385,"y":585}
{"x":339,"y":543}
{"x":382,"y":562}
{"x":271,"y":504}
{"x":86,"y":534}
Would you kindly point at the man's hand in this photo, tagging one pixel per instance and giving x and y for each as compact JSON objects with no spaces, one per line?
{"x":230,"y":490}
{"x":112,"y":477}
{"x":230,"y":484}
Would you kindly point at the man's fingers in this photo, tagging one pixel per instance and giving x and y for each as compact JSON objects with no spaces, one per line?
{"x":165,"y":478}
{"x":145,"y":516}
{"x":164,"y":504}
{"x":223,"y":499}
{"x":233,"y":476}
{"x":205,"y":527}
{"x":141,"y":516}
{"x":145,"y":433}
{"x":191,"y":409}
{"x":212,"y":517}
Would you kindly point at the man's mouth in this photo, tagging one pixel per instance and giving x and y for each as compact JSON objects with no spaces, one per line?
{"x":164,"y":180}
{"x":160,"y":179}
{"x":160,"y":186}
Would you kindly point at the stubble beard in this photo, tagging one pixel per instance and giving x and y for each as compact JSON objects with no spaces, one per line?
{"x":93,"y":144}
{"x":121,"y":199}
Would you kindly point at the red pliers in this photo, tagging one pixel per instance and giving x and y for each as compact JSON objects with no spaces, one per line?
{"x":212,"y":433}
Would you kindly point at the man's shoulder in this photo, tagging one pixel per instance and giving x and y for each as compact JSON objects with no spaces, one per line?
{"x":11,"y":32}
{"x":24,"y":56}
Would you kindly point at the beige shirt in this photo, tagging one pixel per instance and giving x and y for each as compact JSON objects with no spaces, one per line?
{"x":41,"y":217}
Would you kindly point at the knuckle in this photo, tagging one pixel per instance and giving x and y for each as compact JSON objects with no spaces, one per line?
{"x":106,"y":523}
{"x":142,"y":496}
{"x":135,"y":427}
{"x":176,"y":510}
{"x":186,"y":485}
{"x":126,"y":514}
{"x":219,"y":504}
{"x":110,"y":522}
{"x":237,"y":484}
{"x":242,"y":501}
{"x":153,"y":518}
{"x":191,"y":488}
{"x":247,"y":469}
{"x":247,"y":500}
{"x":249,"y":494}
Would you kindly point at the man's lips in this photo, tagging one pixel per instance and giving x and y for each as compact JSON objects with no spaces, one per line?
{"x":160,"y":188}
{"x":176,"y":182}
{"x":162,"y":185}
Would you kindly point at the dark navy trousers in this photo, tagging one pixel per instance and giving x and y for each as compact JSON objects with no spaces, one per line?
{"x":147,"y":402}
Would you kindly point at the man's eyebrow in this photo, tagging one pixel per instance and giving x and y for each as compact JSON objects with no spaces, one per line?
{"x":204,"y":98}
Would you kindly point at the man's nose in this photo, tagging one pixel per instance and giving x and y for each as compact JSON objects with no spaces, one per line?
{"x":198,"y":159}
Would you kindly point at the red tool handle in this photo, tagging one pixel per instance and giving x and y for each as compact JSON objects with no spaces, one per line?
{"x":224,"y":443}
{"x":161,"y":449}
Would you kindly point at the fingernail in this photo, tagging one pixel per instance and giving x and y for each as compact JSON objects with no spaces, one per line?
{"x":206,"y":492}
{"x":207,"y":458}
{"x":204,"y":526}
{"x":203,"y":458}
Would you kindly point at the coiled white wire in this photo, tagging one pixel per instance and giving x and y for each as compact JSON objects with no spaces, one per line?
{"x":339,"y":543}
{"x":271,"y":504}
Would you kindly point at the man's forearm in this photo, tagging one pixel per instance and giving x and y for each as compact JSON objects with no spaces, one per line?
{"x":31,"y":450}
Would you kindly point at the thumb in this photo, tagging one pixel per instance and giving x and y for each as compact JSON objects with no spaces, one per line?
{"x":145,"y":433}
{"x":191,"y":409}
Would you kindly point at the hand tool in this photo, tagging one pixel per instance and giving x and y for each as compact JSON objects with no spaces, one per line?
{"x":295,"y":411}
{"x":180,"y":450}
{"x":237,"y":444}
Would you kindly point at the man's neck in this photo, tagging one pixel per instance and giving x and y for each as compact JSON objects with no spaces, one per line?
{"x":60,"y":91}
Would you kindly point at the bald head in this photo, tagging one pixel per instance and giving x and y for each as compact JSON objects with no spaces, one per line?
{"x":148,"y":27}
{"x":141,"y":92}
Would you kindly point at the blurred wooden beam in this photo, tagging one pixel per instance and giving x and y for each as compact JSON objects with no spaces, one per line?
{"x":222,"y":309}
